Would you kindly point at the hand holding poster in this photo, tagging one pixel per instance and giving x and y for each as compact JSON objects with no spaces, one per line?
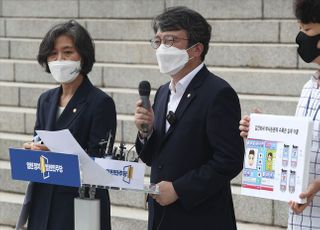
{"x":276,"y":161}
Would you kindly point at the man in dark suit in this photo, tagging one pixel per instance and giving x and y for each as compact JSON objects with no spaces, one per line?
{"x":196,"y":151}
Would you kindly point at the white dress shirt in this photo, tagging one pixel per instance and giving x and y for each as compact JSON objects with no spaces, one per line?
{"x":178,"y":90}
{"x":309,"y":106}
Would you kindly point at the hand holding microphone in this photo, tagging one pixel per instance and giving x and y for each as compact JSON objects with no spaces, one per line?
{"x":144,"y":114}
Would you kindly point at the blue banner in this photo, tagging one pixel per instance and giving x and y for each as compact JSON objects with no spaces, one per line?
{"x":45,"y":167}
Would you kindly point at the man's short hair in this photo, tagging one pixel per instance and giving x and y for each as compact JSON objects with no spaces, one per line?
{"x":183,"y":18}
{"x":82,"y":41}
{"x":307,"y":11}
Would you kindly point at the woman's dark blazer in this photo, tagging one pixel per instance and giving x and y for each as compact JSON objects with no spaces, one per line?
{"x":89,"y":116}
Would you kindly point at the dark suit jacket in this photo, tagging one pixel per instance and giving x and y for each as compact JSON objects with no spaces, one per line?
{"x":200,"y":153}
{"x":89,"y":115}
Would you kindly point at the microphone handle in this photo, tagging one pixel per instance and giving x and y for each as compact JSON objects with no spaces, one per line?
{"x":144,"y":128}
{"x":145,"y":101}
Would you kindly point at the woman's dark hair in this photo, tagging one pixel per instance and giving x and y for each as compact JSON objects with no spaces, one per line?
{"x":307,"y":11}
{"x":183,"y":18}
{"x":82,"y":41}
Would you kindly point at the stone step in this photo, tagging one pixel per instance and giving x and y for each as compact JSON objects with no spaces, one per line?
{"x":140,"y":52}
{"x":11,"y":140}
{"x":26,"y":95}
{"x":259,"y":210}
{"x":248,"y":226}
{"x":7,"y":184}
{"x":21,"y":120}
{"x":127,"y":218}
{"x":240,"y":226}
{"x":122,"y":217}
{"x":2,"y":227}
{"x":279,"y":105}
{"x":287,"y":82}
{"x":230,"y":30}
{"x":10,"y":204}
{"x":224,"y":9}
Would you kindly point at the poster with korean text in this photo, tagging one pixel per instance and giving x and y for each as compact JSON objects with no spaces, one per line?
{"x":276,"y":161}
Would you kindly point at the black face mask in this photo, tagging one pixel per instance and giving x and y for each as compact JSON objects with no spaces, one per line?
{"x":308,"y":50}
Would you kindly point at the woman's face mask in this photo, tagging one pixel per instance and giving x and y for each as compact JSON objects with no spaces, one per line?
{"x":64,"y":71}
{"x":308,"y":49}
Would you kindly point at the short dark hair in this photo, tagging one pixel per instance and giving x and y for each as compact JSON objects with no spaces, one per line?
{"x":183,"y":18}
{"x":251,"y":152}
{"x":82,"y":41}
{"x":307,"y":11}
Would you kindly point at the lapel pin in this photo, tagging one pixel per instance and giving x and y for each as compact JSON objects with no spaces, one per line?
{"x":74,"y":110}
{"x":189,"y":95}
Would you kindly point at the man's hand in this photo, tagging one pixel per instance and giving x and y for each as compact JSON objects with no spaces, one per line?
{"x":311,"y":191}
{"x":167,"y":193}
{"x":143,"y":119}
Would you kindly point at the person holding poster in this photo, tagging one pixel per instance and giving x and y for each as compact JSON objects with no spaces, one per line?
{"x":306,"y":216}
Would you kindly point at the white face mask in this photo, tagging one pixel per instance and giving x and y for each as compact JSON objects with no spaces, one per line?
{"x":64,"y":71}
{"x":171,"y":59}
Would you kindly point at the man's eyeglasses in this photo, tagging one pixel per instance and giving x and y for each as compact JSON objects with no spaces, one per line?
{"x":167,"y":40}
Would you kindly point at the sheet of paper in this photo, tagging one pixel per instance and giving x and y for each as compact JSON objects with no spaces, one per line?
{"x":62,"y":141}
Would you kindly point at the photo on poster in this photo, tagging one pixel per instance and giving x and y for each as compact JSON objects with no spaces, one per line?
{"x":251,"y":158}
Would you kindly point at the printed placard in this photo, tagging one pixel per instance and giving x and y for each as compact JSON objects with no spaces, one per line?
{"x":45,"y":167}
{"x":276,"y":161}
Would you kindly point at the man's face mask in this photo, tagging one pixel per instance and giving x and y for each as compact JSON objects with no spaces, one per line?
{"x":171,"y":59}
{"x":64,"y":71}
{"x":308,"y":49}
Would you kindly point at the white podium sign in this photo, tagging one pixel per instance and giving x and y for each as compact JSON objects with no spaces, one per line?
{"x":125,"y":174}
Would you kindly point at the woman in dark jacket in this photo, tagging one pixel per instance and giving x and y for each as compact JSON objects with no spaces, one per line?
{"x":67,"y":52}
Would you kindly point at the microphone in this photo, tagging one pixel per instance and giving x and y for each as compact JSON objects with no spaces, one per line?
{"x":144,"y":92}
{"x":171,"y":118}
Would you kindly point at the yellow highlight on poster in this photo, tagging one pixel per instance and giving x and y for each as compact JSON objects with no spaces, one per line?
{"x":42,"y":164}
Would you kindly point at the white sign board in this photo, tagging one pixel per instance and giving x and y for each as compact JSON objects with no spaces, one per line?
{"x":125,"y":174}
{"x":276,"y":161}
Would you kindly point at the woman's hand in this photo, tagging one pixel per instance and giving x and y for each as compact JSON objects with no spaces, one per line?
{"x":312,"y":190}
{"x":244,"y":126}
{"x":35,"y":146}
{"x":245,"y":122}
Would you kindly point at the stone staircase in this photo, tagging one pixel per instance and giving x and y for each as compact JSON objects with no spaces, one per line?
{"x":252,"y":48}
